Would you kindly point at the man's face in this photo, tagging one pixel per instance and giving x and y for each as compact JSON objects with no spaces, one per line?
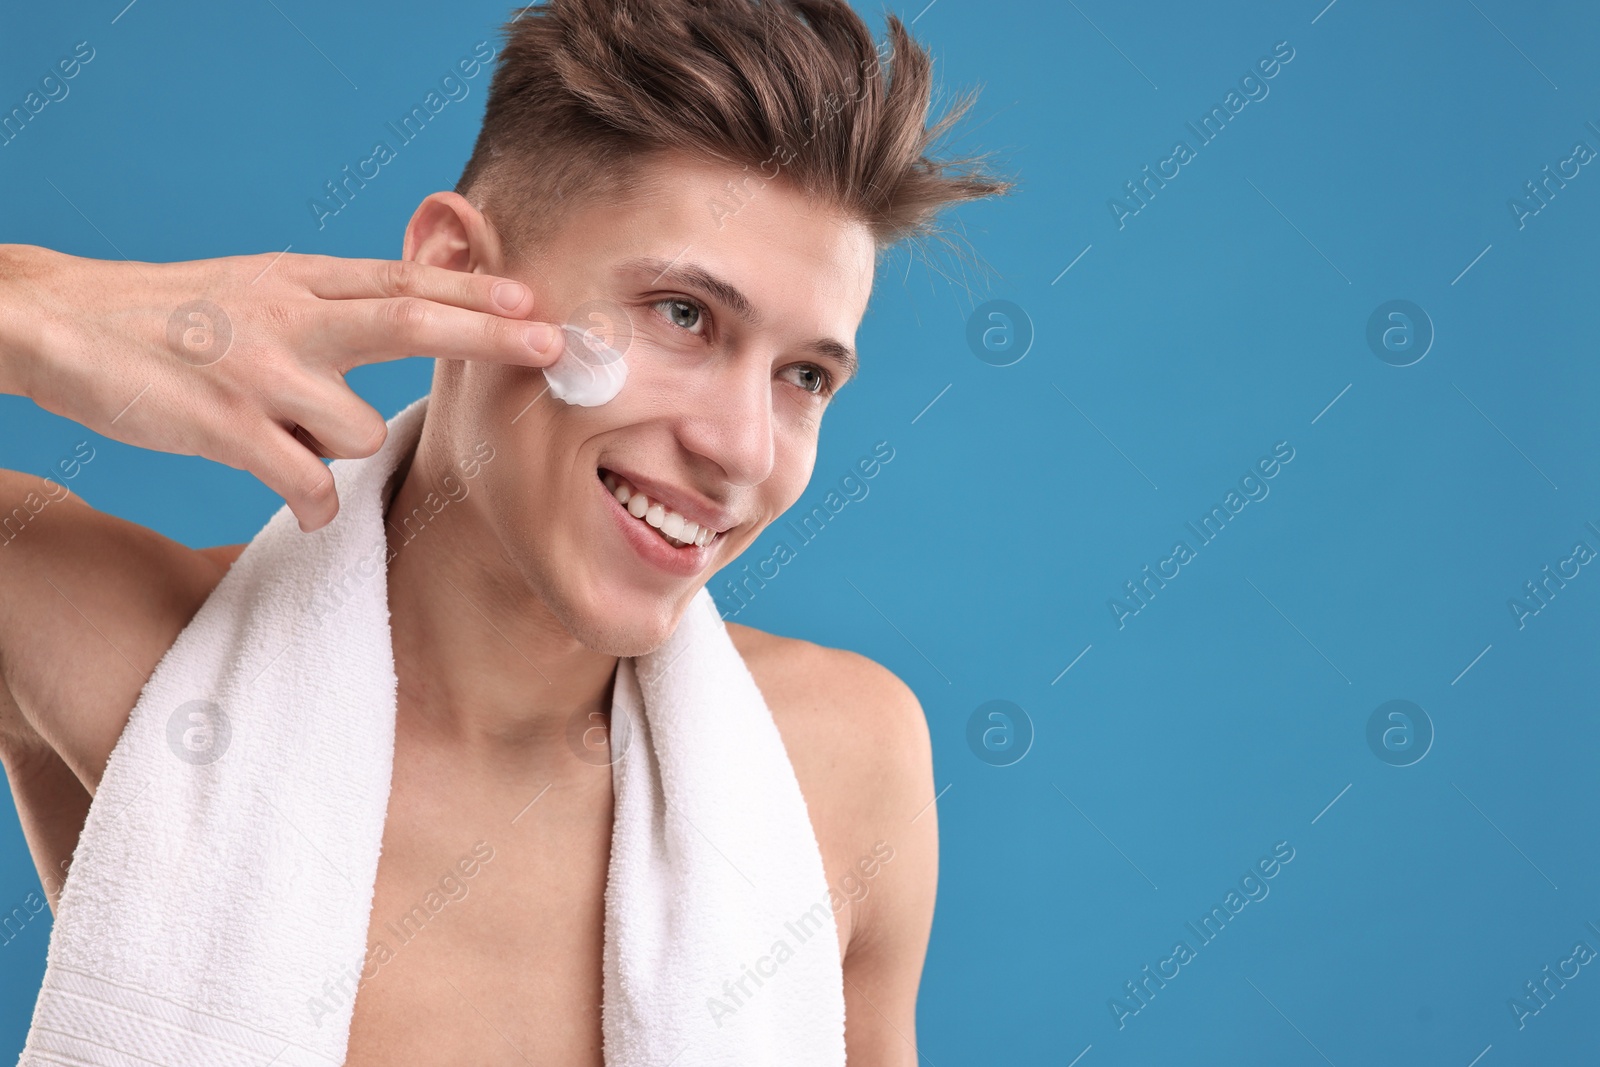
{"x":720,"y":414}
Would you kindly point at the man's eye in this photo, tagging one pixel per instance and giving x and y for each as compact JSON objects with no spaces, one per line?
{"x":685,"y":314}
{"x":812,"y":378}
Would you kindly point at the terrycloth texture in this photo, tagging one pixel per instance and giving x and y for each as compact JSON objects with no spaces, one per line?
{"x":222,"y":889}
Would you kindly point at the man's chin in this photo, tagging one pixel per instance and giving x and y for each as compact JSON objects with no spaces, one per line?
{"x":627,"y":630}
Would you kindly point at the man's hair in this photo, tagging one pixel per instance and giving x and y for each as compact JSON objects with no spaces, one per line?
{"x":790,"y":90}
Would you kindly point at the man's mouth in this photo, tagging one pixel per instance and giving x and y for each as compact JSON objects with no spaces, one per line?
{"x":673,"y":528}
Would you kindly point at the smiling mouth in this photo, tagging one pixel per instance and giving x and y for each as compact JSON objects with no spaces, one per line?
{"x":673,"y":528}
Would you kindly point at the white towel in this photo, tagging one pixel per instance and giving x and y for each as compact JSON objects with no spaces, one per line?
{"x":225,"y":873}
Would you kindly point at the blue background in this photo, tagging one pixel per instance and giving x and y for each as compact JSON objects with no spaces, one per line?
{"x":1224,"y":317}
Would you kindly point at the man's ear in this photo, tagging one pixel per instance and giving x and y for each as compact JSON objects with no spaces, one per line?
{"x":447,"y":231}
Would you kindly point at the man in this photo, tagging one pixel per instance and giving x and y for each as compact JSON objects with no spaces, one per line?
{"x":719,"y":181}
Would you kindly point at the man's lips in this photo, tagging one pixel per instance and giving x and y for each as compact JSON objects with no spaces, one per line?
{"x":673,"y":528}
{"x":677,"y":513}
{"x":682,"y":560}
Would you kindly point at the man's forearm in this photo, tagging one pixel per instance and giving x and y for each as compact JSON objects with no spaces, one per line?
{"x":17,"y":346}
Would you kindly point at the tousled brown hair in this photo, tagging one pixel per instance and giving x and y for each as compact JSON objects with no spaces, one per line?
{"x":791,"y":90}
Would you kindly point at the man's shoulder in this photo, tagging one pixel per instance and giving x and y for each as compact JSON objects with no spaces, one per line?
{"x":88,"y":605}
{"x":859,"y":744}
{"x":831,"y":688}
{"x":855,"y":732}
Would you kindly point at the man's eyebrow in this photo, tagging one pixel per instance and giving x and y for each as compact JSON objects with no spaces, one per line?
{"x":693,"y":276}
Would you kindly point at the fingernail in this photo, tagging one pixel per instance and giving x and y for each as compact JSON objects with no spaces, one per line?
{"x":539,"y":337}
{"x":509,"y":294}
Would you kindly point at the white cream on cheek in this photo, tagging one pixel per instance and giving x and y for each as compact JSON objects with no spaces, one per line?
{"x":588,"y":373}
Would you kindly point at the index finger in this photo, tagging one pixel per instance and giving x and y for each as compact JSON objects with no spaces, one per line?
{"x":370,"y":331}
{"x":337,"y":278}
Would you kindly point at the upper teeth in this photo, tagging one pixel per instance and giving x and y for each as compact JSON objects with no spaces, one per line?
{"x":674,"y":527}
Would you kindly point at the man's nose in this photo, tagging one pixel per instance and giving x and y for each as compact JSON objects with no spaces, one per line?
{"x":729,"y":421}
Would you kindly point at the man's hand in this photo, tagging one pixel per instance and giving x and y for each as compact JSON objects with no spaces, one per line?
{"x":242,"y":359}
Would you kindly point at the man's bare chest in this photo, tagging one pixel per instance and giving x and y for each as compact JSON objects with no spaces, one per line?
{"x":487,"y":929}
{"x":486,"y":938}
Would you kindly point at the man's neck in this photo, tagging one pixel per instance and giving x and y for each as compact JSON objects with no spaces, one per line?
{"x":482,"y":662}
